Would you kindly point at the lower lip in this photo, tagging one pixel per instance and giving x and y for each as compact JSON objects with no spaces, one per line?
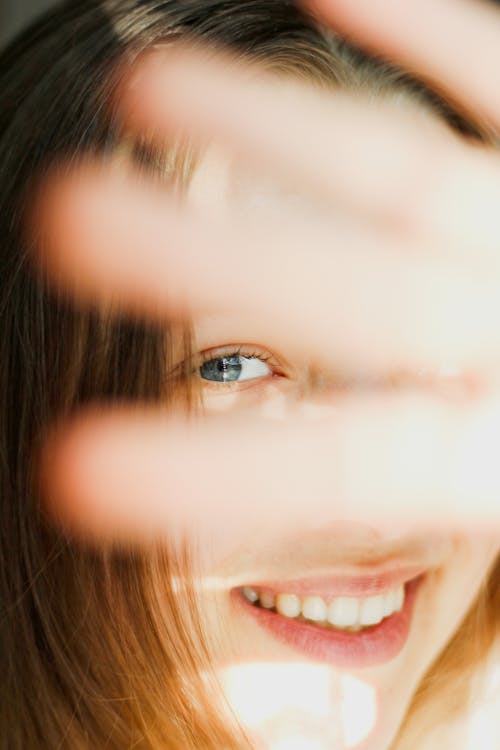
{"x":367,"y":648}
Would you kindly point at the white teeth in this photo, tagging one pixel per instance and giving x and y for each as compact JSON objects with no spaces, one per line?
{"x":314,"y":608}
{"x":343,"y":612}
{"x":346,"y":612}
{"x":389,"y":599}
{"x":267,"y":600}
{"x":371,"y":611}
{"x":399,"y":598}
{"x":288,"y":605}
{"x":250,"y":594}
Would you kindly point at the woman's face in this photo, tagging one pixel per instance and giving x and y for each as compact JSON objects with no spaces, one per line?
{"x":320,"y":634}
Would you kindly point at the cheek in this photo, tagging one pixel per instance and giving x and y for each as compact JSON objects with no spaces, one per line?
{"x":453,"y":591}
{"x":468,"y":569}
{"x":274,"y":398}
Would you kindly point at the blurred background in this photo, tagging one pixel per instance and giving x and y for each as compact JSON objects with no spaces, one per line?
{"x":14,"y":14}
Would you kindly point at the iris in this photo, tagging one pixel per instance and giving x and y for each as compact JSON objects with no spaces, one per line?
{"x":222,"y":369}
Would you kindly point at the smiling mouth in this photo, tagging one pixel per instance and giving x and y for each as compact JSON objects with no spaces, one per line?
{"x":341,"y":612}
{"x":348,"y":631}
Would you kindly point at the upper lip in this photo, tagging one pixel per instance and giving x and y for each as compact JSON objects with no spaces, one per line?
{"x":343,"y":559}
{"x":366,"y":583}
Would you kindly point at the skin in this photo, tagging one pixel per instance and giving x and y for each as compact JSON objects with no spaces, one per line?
{"x":456,"y":564}
{"x":432,"y":234}
{"x":238,"y":642}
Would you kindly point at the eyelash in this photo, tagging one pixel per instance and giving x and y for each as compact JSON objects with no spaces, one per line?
{"x":221,"y":352}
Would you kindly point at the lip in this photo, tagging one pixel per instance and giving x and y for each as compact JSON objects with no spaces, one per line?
{"x":328,"y":586}
{"x":367,"y":648}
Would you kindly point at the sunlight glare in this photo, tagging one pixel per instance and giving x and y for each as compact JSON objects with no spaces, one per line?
{"x":301,"y":706}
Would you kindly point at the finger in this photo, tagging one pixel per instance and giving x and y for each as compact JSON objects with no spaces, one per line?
{"x":384,"y":160}
{"x":455,"y":44}
{"x":350,"y":300}
{"x":142,"y":476}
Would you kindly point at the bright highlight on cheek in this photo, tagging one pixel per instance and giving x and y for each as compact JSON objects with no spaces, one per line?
{"x":303,"y":706}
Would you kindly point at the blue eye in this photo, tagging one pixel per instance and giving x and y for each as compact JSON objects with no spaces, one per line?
{"x":234,"y":368}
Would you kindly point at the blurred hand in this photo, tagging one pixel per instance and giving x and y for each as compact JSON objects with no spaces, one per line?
{"x":398,"y":272}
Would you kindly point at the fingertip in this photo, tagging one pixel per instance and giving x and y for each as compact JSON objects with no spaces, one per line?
{"x":71,"y":462}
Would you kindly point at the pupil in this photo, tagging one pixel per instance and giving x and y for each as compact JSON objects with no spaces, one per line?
{"x":222,"y":369}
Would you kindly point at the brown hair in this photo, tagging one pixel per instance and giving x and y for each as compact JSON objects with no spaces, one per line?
{"x":96,"y":649}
